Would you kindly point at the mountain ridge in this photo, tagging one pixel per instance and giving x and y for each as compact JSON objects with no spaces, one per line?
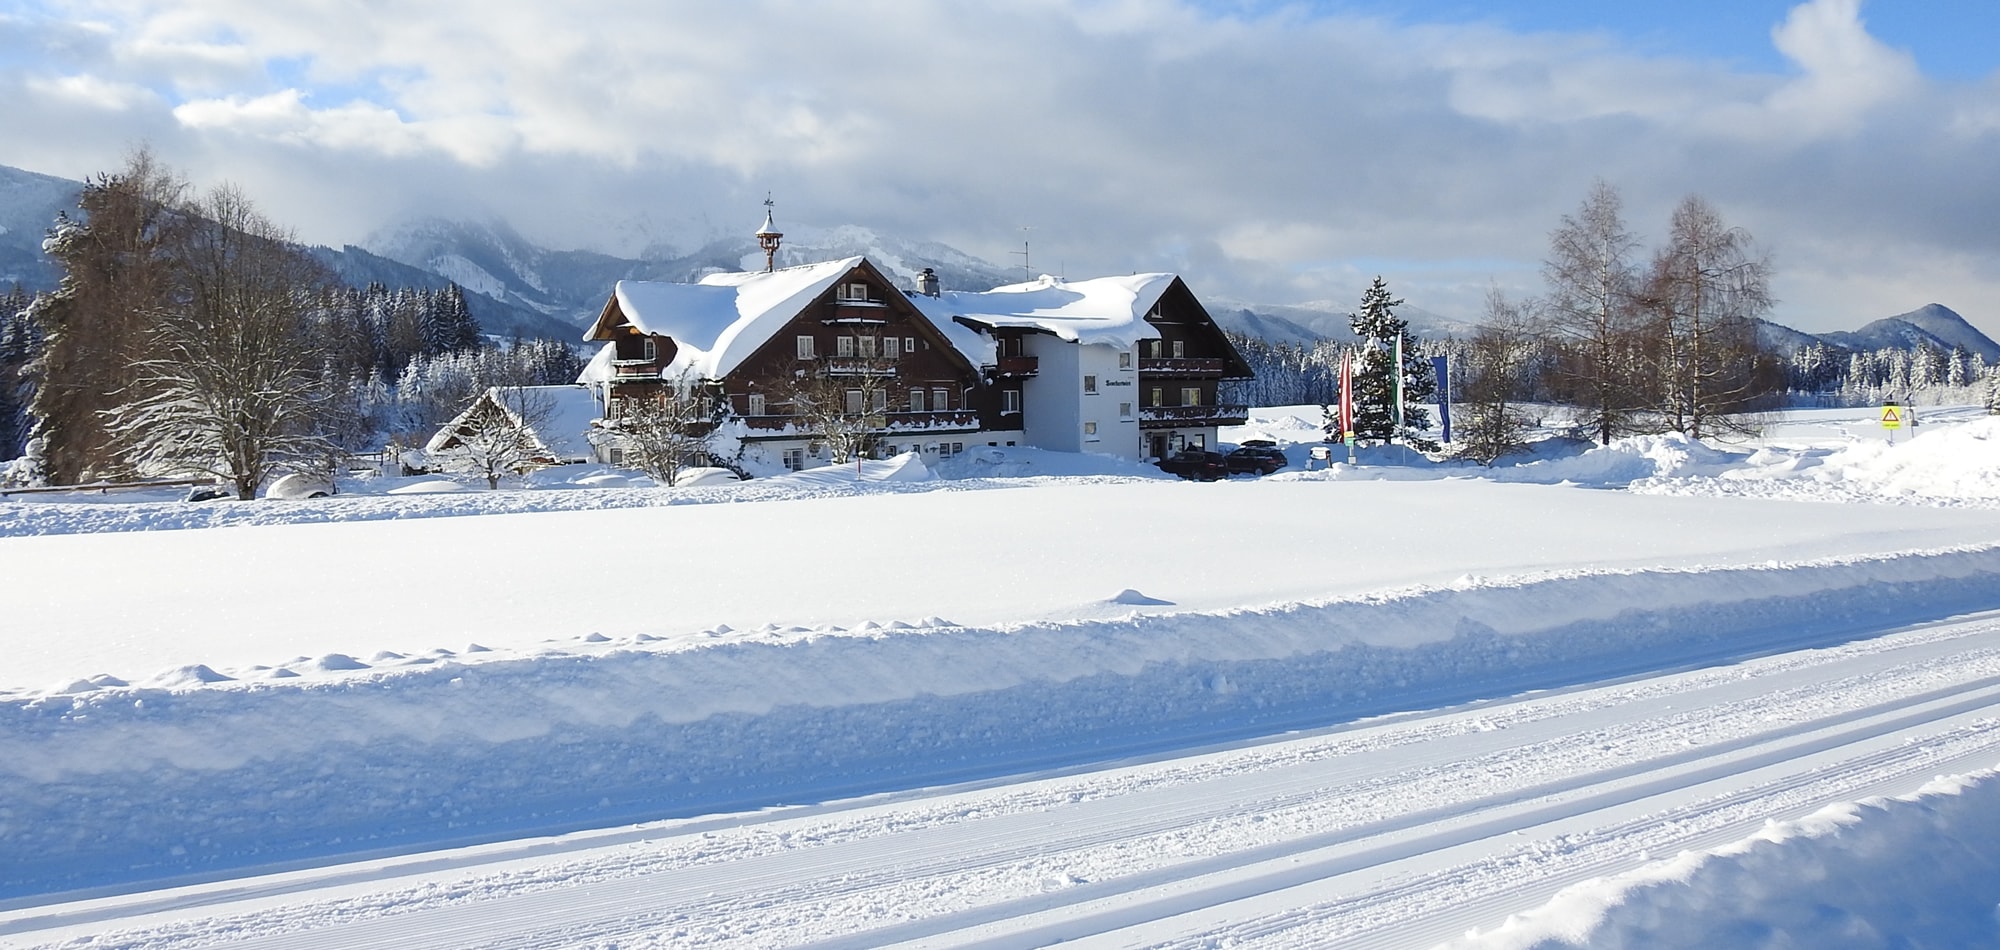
{"x":515,"y":287}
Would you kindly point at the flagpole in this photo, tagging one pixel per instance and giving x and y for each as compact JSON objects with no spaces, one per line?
{"x":1347,"y":402}
{"x":1397,"y":369}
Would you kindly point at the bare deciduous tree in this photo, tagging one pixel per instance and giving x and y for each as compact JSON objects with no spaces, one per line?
{"x":663,"y":432}
{"x":1498,"y":357}
{"x":229,"y":383}
{"x":843,"y":401}
{"x":1707,"y":288}
{"x":1591,"y":305}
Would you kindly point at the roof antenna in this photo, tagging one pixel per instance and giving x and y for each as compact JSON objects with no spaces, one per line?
{"x":1027,"y":271}
{"x":769,"y":237}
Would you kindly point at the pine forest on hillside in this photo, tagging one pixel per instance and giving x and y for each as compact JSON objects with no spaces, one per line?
{"x":191,"y":336}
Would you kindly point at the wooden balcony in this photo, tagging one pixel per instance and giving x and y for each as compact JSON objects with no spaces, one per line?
{"x":859,"y":366}
{"x":634,"y":371}
{"x":948,"y":420}
{"x":1017,"y":366}
{"x":954,"y":420}
{"x":1182,"y":366}
{"x":1158,"y":417}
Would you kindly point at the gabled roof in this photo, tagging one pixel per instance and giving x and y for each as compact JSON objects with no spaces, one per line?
{"x":1099,"y":310}
{"x":566,"y":414}
{"x":719,"y":322}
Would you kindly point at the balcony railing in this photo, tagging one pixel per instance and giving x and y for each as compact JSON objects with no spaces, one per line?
{"x":949,"y":420}
{"x":859,"y":366}
{"x":1017,"y":366}
{"x":1194,"y":415}
{"x":1182,"y":366}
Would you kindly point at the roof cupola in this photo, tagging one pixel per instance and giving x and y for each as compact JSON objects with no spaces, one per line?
{"x":769,"y":237}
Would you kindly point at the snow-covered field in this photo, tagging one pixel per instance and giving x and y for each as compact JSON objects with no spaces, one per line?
{"x":1028,"y":696}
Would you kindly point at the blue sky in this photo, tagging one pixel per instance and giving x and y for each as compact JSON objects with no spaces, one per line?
{"x":1951,"y":40}
{"x":1269,"y":152}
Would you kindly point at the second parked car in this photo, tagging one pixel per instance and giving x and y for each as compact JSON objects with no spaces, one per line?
{"x":1261,"y":459}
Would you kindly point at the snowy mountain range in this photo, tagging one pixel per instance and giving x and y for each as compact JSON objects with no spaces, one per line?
{"x":518,"y":288}
{"x":29,"y":203}
{"x":1932,"y":324}
{"x":492,"y":259}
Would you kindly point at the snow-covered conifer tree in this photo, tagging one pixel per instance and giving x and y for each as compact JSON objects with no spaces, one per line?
{"x":1375,"y":373}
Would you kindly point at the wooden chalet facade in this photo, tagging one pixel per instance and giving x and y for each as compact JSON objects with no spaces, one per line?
{"x":823,"y":362}
{"x":787,"y":349}
{"x":1180,"y":372}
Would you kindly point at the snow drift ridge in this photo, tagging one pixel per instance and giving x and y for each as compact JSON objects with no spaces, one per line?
{"x":120,"y":784}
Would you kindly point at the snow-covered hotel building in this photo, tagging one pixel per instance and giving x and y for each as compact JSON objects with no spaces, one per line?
{"x":1123,"y":366}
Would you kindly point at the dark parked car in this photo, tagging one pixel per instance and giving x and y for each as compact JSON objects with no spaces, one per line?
{"x":1196,"y":464}
{"x":1262,"y":459}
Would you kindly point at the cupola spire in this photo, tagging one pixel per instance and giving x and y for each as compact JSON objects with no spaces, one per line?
{"x":769,"y":237}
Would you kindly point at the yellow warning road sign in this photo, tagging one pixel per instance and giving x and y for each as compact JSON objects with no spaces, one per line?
{"x":1892,"y":417}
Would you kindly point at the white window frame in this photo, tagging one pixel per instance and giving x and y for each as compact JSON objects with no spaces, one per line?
{"x":1190,"y":395}
{"x":940,"y":399}
{"x":1124,"y":410}
{"x":756,"y":401}
{"x":805,"y":347}
{"x":864,"y":347}
{"x":917,"y":399}
{"x":1010,"y":401}
{"x":1124,"y":359}
{"x":843,"y":346}
{"x":892,"y":347}
{"x":852,"y":291}
{"x":1180,"y":349}
{"x":854,"y":402}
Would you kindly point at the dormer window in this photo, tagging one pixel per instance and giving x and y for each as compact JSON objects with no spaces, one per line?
{"x":635,"y":349}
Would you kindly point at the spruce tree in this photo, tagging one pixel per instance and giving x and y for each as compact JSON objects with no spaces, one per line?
{"x":118,"y":273}
{"x":1375,"y":373}
{"x":445,"y":324}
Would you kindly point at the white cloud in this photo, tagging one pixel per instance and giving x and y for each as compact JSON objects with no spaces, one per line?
{"x":93,"y":92}
{"x":1847,"y":72}
{"x":1259,"y":152}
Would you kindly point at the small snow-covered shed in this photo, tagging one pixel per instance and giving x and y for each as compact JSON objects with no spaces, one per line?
{"x":553,"y":424}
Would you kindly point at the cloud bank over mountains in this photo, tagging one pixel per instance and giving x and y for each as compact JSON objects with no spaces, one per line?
{"x":1273,"y":153}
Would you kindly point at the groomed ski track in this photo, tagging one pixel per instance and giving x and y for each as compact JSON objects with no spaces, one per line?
{"x":1401,"y":831}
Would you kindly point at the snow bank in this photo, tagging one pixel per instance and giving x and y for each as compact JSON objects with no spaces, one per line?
{"x":1625,"y":461}
{"x":1917,"y":871}
{"x":107,"y":783}
{"x":1944,"y":462}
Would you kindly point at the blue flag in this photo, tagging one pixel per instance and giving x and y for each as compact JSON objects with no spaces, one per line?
{"x":1443,"y":369}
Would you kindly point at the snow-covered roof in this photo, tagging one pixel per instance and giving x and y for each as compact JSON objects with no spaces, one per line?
{"x":717,"y":323}
{"x":564,"y":429}
{"x":572,"y":409}
{"x":1108,"y":310}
